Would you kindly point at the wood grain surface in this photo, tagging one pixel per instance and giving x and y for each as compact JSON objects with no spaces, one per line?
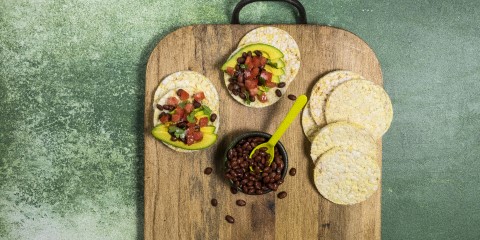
{"x":178,"y":194}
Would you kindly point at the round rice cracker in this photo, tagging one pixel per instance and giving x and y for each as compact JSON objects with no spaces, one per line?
{"x":322,"y":89}
{"x":346,"y":135}
{"x":346,"y":177}
{"x":310,"y":128}
{"x":191,"y":82}
{"x":285,"y":43}
{"x":361,"y":102}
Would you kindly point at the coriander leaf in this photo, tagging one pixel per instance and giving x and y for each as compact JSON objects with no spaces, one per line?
{"x":179,"y":133}
{"x":261,"y":81}
{"x":247,"y":100}
{"x":183,"y":104}
{"x":275,"y":65}
{"x":243,"y":66}
{"x":172,"y":129}
{"x":191,"y":117}
{"x":206,"y":110}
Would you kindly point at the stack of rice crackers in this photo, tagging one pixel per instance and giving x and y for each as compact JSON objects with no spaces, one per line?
{"x":344,"y":119}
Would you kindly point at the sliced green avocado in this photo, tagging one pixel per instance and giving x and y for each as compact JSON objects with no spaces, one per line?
{"x":208,"y":139}
{"x":208,"y":129}
{"x":200,"y":113}
{"x":274,"y":71}
{"x":277,"y":63}
{"x":275,"y":79}
{"x":269,"y":51}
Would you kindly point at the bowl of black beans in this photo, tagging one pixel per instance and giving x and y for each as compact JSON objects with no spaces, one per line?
{"x":254,"y":176}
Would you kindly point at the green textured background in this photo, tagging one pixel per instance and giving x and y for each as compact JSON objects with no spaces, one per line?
{"x":71,"y":101}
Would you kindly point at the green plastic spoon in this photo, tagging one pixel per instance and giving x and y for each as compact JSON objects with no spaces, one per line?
{"x":292,"y":114}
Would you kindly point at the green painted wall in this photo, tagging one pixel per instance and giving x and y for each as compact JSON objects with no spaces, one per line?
{"x":71,"y":103}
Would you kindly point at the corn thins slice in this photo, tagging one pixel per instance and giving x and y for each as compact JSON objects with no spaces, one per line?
{"x":346,"y":177}
{"x":323,"y":88}
{"x":310,"y":128}
{"x":345,"y":135}
{"x":361,"y":102}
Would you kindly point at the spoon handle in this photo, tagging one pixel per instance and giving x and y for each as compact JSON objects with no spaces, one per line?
{"x":292,"y":114}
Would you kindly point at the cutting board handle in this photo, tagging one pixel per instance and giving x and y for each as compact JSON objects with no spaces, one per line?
{"x":301,"y":10}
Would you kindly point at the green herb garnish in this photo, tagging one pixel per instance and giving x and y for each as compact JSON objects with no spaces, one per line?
{"x":263,"y":89}
{"x":243,"y":66}
{"x":207,"y":110}
{"x":275,"y":65}
{"x":247,"y":100}
{"x":191,"y":117}
{"x":261,"y":81}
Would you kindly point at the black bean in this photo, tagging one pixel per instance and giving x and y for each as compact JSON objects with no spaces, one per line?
{"x":281,"y":85}
{"x":252,"y":98}
{"x":278,"y":93}
{"x":241,"y":60}
{"x":229,"y":219}
{"x":258,"y":53}
{"x":233,"y":190}
{"x":242,"y":96}
{"x":230,"y":86}
{"x":196,"y":104}
{"x":213,"y":117}
{"x":214,"y":202}
{"x":173,"y":139}
{"x":208,"y":170}
{"x":160,"y":107}
{"x":168,"y":107}
{"x":282,"y":195}
{"x":292,"y":171}
{"x":241,"y":202}
{"x":249,"y":53}
{"x":244,"y":54}
{"x":292,"y":97}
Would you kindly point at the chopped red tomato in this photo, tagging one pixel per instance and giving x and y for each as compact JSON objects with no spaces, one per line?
{"x":180,"y":111}
{"x":263,"y":60}
{"x":255,"y":62}
{"x":197,"y":136}
{"x":270,"y":84}
{"x":253,"y":91}
{"x":203,"y":122}
{"x":172,"y":101}
{"x":248,"y":75}
{"x":248,"y":62}
{"x":164,"y":118}
{"x":176,"y":117}
{"x":183,"y":94}
{"x":199,"y":96}
{"x":263,"y":97}
{"x":255,"y":71}
{"x":230,"y":71}
{"x":190,"y":138}
{"x":189,"y":108}
{"x":191,"y":125}
{"x":251,"y":84}
{"x":266,"y":75}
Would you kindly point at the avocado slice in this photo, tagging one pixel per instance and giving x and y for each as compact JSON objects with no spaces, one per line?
{"x":275,"y":79}
{"x":277,"y":63}
{"x":208,"y":129}
{"x":164,"y":136}
{"x":269,"y":51}
{"x":274,"y":71}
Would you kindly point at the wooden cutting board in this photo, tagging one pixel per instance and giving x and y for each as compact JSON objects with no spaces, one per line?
{"x":178,"y":193}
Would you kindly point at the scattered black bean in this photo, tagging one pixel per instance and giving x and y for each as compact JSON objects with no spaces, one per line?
{"x":213,"y":117}
{"x":233,"y":190}
{"x":159,"y":107}
{"x":278,"y":93}
{"x":196,"y":104}
{"x":252,"y":98}
{"x":258,"y":53}
{"x":241,"y":202}
{"x":214,"y":202}
{"x":281,"y":85}
{"x":292,"y":97}
{"x":173,"y":139}
{"x":168,"y":107}
{"x":282,"y":195}
{"x":229,"y":219}
{"x":208,"y":170}
{"x":292,"y":171}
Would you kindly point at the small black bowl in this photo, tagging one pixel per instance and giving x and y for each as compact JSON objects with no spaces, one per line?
{"x":267,"y":136}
